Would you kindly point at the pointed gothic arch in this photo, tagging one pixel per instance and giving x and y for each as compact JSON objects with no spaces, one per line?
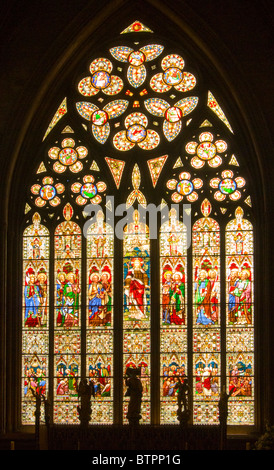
{"x":145,"y":179}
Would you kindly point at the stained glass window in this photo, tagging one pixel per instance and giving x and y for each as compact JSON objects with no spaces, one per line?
{"x":240,"y":319}
{"x":35,"y":318}
{"x":67,"y":334}
{"x":141,"y":127}
{"x":173,"y":301}
{"x":137,"y":307}
{"x":100,"y":319}
{"x":206,"y":318}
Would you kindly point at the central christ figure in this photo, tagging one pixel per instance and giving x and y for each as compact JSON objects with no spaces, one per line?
{"x":136,"y":269}
{"x":136,"y":283}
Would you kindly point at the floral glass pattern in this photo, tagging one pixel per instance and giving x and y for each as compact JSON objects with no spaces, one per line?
{"x":185,"y":187}
{"x":136,"y":133}
{"x":172,"y":115}
{"x":136,"y":73}
{"x":89,"y":190}
{"x":99,"y":118}
{"x":100,"y":79}
{"x":206,"y":150}
{"x":68,"y":156}
{"x":227,"y":186}
{"x":172,"y":76}
{"x":47,"y":192}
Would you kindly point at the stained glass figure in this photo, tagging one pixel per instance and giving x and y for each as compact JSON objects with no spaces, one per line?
{"x":67,"y":275}
{"x":240,"y":318}
{"x":173,"y":301}
{"x":35,"y":300}
{"x":136,"y":305}
{"x":206,"y":316}
{"x":100,"y":322}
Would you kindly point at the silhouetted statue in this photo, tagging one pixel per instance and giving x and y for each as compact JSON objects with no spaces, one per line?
{"x":85,"y":391}
{"x":135,"y":392}
{"x":223,"y":414}
{"x":183,"y":411}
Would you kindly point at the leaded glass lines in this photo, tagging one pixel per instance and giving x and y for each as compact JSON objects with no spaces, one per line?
{"x":99,"y":317}
{"x":173,"y":321}
{"x":177,"y":147}
{"x":137,"y":308}
{"x":240,"y":319}
{"x":35,"y":318}
{"x":67,"y":318}
{"x":206,"y":318}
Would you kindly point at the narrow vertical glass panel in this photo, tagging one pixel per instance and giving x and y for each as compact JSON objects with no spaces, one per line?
{"x":35,"y":321}
{"x":99,"y":324}
{"x":206,"y":318}
{"x":136,"y":309}
{"x":67,"y":337}
{"x":240,"y":320}
{"x":173,"y":321}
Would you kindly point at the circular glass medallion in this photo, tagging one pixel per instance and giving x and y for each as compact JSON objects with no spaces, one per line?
{"x":68,"y":156}
{"x":184,"y":187}
{"x":136,"y":58}
{"x":47,"y":192}
{"x":99,"y":117}
{"x":136,"y":133}
{"x":88,"y":190}
{"x":173,"y":76}
{"x":227,"y":186}
{"x":206,"y":151}
{"x":100,"y":79}
{"x":173,"y":114}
